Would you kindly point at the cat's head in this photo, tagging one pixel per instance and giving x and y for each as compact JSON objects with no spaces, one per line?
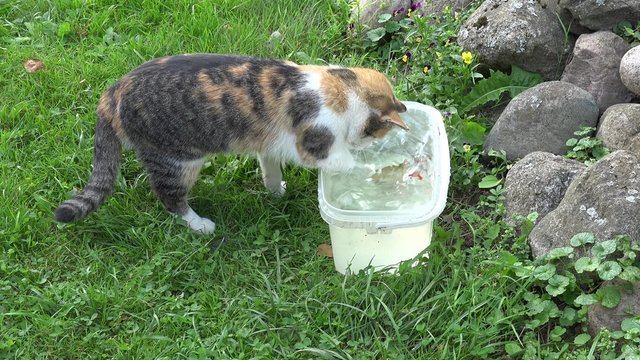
{"x":382,"y":106}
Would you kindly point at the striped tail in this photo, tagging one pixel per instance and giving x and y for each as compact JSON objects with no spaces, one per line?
{"x":106,"y":163}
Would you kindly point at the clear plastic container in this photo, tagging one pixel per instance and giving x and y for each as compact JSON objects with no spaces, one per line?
{"x":381,"y":212}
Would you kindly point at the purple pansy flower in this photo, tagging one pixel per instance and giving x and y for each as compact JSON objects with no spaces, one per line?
{"x":397,"y":11}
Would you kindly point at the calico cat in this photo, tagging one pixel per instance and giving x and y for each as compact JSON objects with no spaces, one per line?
{"x":174,"y":111}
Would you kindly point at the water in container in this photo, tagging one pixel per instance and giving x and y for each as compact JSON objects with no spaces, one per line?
{"x":393,"y":173}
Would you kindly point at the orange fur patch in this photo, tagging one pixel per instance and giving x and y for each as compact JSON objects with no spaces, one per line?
{"x":104,"y":108}
{"x":312,"y":68}
{"x":265,"y":87}
{"x":239,"y":70}
{"x":109,"y":106}
{"x":163,"y":60}
{"x":212,"y":91}
{"x":376,"y":91}
{"x":215,"y":93}
{"x":243,"y":101}
{"x":276,"y":107}
{"x":335,"y":92}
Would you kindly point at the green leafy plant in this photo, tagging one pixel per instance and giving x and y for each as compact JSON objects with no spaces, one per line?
{"x":432,"y":68}
{"x":387,"y":26}
{"x":567,"y":286}
{"x":492,"y":88}
{"x":422,"y":54}
{"x":500,"y":166}
{"x":466,"y":167}
{"x":628,"y":32}
{"x":585,"y":147}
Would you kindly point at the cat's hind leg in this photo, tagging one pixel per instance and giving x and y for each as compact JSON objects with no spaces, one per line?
{"x":272,"y":174}
{"x":172,"y":181}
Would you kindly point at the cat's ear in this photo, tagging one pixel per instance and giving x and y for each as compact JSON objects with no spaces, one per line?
{"x":394,"y":118}
{"x":399,"y":106}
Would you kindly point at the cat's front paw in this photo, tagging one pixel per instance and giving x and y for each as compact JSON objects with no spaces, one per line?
{"x":342,"y":163}
{"x":277,"y":189}
{"x":203,"y":226}
{"x":197,"y":223}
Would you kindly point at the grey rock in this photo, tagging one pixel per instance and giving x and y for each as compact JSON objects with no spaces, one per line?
{"x":492,"y":112}
{"x":520,"y":32}
{"x":601,"y":14}
{"x":564,"y":16}
{"x":538,"y":183}
{"x":542,"y":118}
{"x":435,"y":7}
{"x":595,"y":67}
{"x":600,"y":317}
{"x":366,"y":12}
{"x":603,"y":200}
{"x":619,"y":128}
{"x":630,"y":70}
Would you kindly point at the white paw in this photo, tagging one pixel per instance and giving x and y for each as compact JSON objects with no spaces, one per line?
{"x":277,"y":189}
{"x":197,"y":223}
{"x":203,"y":226}
{"x":338,"y":163}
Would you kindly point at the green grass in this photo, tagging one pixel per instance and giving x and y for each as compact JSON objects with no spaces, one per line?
{"x":130,"y":282}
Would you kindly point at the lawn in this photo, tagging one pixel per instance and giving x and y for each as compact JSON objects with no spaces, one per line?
{"x":131,"y":282}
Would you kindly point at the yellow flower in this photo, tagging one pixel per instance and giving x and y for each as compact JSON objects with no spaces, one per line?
{"x":466,"y":147}
{"x":405,"y":58}
{"x":467,"y":57}
{"x":409,"y":13}
{"x":419,"y":39}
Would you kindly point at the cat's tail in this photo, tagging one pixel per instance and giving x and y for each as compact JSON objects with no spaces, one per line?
{"x":106,"y":164}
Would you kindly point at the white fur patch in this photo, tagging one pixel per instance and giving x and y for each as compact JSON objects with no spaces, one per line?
{"x":313,"y":81}
{"x":346,"y":128}
{"x":197,"y":223}
{"x":284,"y":148}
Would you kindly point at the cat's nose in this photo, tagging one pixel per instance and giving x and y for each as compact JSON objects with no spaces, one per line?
{"x":400,"y":107}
